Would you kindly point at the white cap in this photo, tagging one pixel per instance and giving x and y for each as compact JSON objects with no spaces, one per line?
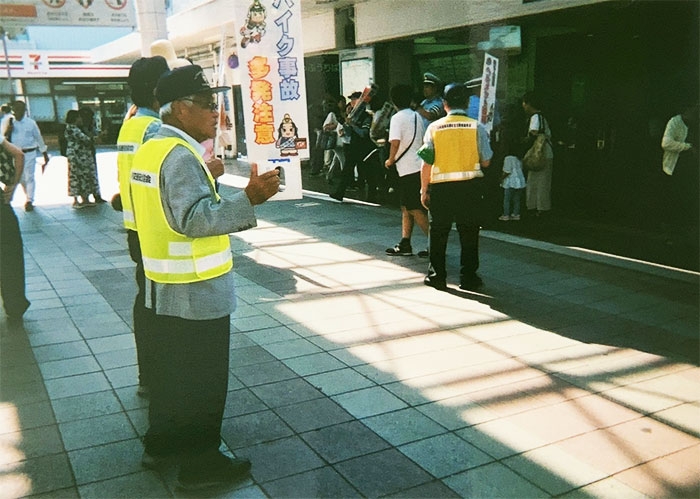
{"x":165,"y":49}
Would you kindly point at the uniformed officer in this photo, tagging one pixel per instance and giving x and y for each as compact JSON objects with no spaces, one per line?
{"x":455,"y":149}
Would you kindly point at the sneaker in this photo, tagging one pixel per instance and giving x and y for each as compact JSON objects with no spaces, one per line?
{"x":400,"y":250}
{"x":423,"y":253}
{"x":435,"y":282}
{"x":515,"y":217}
{"x":211,"y":470}
{"x":471,"y":283}
{"x":28,"y":206}
{"x":504,"y":218}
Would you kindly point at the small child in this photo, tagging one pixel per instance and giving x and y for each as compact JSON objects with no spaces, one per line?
{"x":513,"y":183}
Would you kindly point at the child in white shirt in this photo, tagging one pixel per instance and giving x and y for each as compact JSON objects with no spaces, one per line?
{"x":513,"y":183}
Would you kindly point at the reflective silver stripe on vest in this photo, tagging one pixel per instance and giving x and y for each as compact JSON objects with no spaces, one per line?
{"x":176,"y":267}
{"x":128,"y":147}
{"x":128,"y":216}
{"x":455,"y":176}
{"x":180,"y":249}
{"x":148,"y":179}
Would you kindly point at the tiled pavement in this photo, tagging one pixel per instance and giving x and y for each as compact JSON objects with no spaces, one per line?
{"x":569,"y":375}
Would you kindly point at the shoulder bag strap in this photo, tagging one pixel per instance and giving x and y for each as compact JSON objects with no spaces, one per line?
{"x":542,"y":129}
{"x":415,"y":129}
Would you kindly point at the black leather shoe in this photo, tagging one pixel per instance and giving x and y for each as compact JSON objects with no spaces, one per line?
{"x":211,"y":471}
{"x":471,"y":284}
{"x":435,"y":282}
{"x":15,"y":315}
{"x":159,"y":463}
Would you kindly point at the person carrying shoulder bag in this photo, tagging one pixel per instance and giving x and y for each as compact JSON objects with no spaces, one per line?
{"x":406,"y":130}
{"x":538,"y":192}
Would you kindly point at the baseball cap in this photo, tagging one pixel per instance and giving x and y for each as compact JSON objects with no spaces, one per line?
{"x":431,"y":79}
{"x":456,"y":94}
{"x":355,"y":95}
{"x":144,"y":72}
{"x":181,"y":82}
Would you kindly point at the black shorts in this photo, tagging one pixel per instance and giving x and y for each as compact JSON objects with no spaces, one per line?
{"x":409,"y":191}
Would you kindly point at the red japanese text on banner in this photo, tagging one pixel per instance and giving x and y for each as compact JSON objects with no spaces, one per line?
{"x":272,"y":79}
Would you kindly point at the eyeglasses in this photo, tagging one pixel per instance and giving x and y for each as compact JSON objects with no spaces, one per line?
{"x":211,"y":106}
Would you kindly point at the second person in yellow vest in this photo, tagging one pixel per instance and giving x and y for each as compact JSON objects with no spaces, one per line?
{"x":455,"y":149}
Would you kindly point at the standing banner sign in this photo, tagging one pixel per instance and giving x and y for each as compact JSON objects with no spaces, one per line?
{"x":273,"y":87}
{"x":487,"y":99}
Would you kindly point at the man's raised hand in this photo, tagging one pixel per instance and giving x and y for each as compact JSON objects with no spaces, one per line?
{"x":260,"y":188}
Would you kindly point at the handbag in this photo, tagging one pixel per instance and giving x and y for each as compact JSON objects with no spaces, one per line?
{"x":536,"y":158}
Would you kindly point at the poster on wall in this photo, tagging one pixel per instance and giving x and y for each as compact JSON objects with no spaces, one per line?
{"x":273,"y":88}
{"x":487,"y":99}
{"x":356,"y":69}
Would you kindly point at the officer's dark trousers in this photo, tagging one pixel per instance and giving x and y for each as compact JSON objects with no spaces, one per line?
{"x":12,"y":283}
{"x":459,"y":203}
{"x":188,"y":385}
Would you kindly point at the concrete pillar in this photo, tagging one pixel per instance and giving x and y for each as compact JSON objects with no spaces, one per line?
{"x":151,"y":18}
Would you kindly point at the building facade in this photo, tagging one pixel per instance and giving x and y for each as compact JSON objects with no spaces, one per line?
{"x":611,"y":71}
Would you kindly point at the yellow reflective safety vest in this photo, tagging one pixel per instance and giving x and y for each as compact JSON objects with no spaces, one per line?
{"x":129,"y":140}
{"x":456,"y":149}
{"x":168,"y":256}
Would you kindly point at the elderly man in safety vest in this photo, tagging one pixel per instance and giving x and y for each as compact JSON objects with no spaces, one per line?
{"x":183,"y":226}
{"x":455,"y":149}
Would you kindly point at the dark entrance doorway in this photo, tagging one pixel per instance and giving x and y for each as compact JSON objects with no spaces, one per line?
{"x":610,"y":88}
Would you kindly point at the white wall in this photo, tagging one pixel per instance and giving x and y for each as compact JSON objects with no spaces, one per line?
{"x":318,"y":32}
